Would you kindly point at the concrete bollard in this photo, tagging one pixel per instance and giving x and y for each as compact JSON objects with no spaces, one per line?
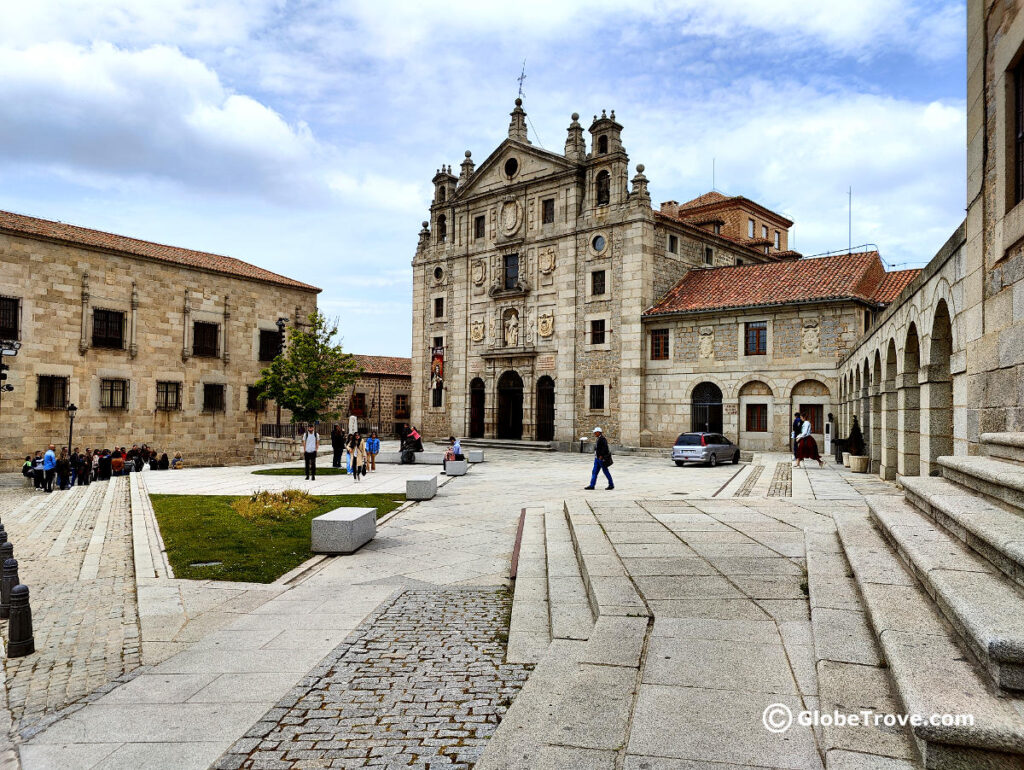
{"x":21,"y":642}
{"x":7,"y":583}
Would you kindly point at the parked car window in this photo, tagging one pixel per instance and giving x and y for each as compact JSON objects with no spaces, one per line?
{"x":688,"y":439}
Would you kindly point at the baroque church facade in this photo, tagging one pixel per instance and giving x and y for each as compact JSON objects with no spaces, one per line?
{"x":550,"y":297}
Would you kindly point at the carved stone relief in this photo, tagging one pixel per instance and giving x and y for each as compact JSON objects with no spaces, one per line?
{"x":479,"y":272}
{"x":706,"y":343}
{"x":546,"y":260}
{"x":476,"y":331}
{"x":546,"y":325}
{"x":812,"y":336}
{"x":511,"y":217}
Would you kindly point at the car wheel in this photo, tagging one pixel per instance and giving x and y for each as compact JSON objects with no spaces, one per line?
{"x":713,"y":461}
{"x":735,"y":458}
{"x":680,"y":463}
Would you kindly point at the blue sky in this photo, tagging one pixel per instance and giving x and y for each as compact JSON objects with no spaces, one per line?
{"x":302,"y":135}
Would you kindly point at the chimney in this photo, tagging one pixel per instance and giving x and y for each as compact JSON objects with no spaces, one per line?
{"x":670,"y":208}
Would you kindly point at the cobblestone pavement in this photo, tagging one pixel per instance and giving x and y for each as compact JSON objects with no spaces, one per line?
{"x":74,"y":553}
{"x":420,"y":683}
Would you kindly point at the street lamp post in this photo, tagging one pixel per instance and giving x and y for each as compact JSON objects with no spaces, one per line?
{"x":71,"y":426}
{"x":281,"y":324}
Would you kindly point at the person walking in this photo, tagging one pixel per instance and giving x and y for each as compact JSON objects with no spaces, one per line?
{"x":337,"y":444}
{"x":372,"y":450}
{"x":798,"y":423}
{"x":602,"y":460}
{"x":357,"y":450}
{"x":49,"y":468}
{"x":806,"y":446}
{"x":310,"y":446}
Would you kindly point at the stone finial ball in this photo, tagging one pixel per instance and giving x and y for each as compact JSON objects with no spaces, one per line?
{"x":469,"y":154}
{"x":639,"y":168}
{"x":519,"y":102}
{"x":425,"y":223}
{"x":575,"y":116}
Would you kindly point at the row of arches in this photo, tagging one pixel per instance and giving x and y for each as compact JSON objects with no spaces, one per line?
{"x":509,"y":405}
{"x":902,"y":397}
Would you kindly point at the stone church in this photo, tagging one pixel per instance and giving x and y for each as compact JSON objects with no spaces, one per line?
{"x":550,"y":297}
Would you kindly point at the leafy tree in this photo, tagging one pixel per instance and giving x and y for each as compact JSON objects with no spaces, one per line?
{"x":310,"y":372}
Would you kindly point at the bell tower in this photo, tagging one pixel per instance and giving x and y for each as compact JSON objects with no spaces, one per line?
{"x":608,"y":164}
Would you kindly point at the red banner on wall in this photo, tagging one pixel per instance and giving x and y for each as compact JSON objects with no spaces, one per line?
{"x":436,"y":368}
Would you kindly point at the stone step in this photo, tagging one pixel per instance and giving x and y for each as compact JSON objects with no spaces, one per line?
{"x":529,"y":631}
{"x":993,"y":531}
{"x":1004,"y":446}
{"x":851,"y":673}
{"x":500,"y":443}
{"x":929,"y":670}
{"x":568,"y":601}
{"x":995,"y":479}
{"x":985,"y":608}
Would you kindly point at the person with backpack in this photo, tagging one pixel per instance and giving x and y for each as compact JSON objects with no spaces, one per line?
{"x":602,"y":460}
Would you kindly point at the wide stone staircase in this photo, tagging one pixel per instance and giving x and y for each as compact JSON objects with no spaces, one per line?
{"x":937,"y":577}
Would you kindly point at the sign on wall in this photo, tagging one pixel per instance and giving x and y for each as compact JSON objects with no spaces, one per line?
{"x":436,"y":368}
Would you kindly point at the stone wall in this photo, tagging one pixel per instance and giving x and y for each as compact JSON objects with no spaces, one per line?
{"x":375,"y":389}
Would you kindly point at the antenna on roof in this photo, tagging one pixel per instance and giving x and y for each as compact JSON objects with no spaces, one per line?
{"x":849,"y":222}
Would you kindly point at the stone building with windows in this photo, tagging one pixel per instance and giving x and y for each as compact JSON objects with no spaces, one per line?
{"x":379,"y":398}
{"x":151,"y":343}
{"x":540,"y":285}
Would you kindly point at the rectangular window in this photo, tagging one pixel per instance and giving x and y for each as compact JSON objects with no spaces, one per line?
{"x":597,"y":283}
{"x":107,"y":329}
{"x":659,"y":344}
{"x":52,"y":392}
{"x":270,"y":344}
{"x":548,"y":207}
{"x":709,"y":255}
{"x":113,"y":394}
{"x":437,"y":398}
{"x":596,"y":398}
{"x":9,"y":318}
{"x":757,"y":418}
{"x":401,"y":406}
{"x":204,"y":339}
{"x":168,"y":396}
{"x":597,"y":331}
{"x":439,"y":307}
{"x":511,"y":264}
{"x":718,"y":229}
{"x":213,"y":398}
{"x":479,"y":226}
{"x":673,"y":244}
{"x":756,"y":338}
{"x":1018,"y":134}
{"x":357,"y":405}
{"x":764,"y":232}
{"x":778,"y":240}
{"x":739,"y":261}
{"x":438,"y":342}
{"x":867,"y":320}
{"x":813,"y":414}
{"x":253,"y":402}
{"x":750,"y":228}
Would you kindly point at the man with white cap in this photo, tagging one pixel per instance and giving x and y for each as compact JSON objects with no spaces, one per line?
{"x":602,"y":460}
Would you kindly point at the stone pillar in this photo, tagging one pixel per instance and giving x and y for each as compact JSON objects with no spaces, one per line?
{"x":864,"y":409}
{"x":186,"y":352}
{"x":83,"y":341}
{"x":133,"y":346}
{"x":226,"y":355}
{"x":875,"y":443}
{"x":936,"y":412}
{"x":909,"y":418}
{"x":889,"y":432}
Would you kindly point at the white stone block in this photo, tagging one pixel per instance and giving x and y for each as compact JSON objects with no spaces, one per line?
{"x":343,"y":530}
{"x":475,"y":455}
{"x":456,"y":467}
{"x":421,"y":488}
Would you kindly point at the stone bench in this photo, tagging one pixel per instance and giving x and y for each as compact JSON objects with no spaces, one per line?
{"x":343,"y":530}
{"x":421,"y":488}
{"x":456,"y":467}
{"x":474,"y":455}
{"x":422,"y":458}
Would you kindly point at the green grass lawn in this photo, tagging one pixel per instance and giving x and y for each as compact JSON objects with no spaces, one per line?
{"x":205,"y":528}
{"x":328,"y":471}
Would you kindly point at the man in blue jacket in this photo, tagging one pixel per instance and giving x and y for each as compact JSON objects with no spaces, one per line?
{"x":602,"y":460}
{"x":372,"y":448}
{"x":49,"y":468}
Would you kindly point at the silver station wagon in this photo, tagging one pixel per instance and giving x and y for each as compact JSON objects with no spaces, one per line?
{"x":710,"y":448}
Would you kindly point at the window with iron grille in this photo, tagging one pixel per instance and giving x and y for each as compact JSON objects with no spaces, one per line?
{"x":813,"y":413}
{"x":270,"y":344}
{"x":9,"y":318}
{"x":437,"y":398}
{"x":168,"y":396}
{"x":253,"y":402}
{"x":757,"y":418}
{"x":511,"y":264}
{"x":213,"y":397}
{"x":596,"y":398}
{"x":113,"y":394}
{"x":401,"y":406}
{"x":107,"y":329}
{"x":439,"y":307}
{"x":51,"y":392}
{"x":597,"y":282}
{"x":756,"y":338}
{"x":548,"y":207}
{"x":479,"y":226}
{"x":597,"y":331}
{"x":659,"y":344}
{"x":357,"y":405}
{"x":204,"y":339}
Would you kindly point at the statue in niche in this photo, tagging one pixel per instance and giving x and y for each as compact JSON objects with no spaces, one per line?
{"x":512,"y":329}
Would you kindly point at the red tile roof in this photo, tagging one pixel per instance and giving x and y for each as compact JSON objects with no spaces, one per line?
{"x":385,"y":365}
{"x":703,"y":200}
{"x":859,"y":276}
{"x":19,"y":224}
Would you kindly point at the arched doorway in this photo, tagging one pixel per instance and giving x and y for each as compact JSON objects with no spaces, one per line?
{"x":476,"y":408}
{"x":545,"y":409}
{"x":706,"y":408}
{"x":910,"y":405}
{"x":940,"y":390}
{"x":510,"y":406}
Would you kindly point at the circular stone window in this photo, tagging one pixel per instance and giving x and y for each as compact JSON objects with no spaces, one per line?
{"x":438,"y":274}
{"x":511,"y":167}
{"x":598,"y":243}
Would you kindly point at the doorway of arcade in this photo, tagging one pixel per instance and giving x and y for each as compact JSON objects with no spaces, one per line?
{"x":510,"y":406}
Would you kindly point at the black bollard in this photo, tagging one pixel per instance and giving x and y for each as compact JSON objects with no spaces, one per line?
{"x":21,"y":640}
{"x":6,"y":552}
{"x":7,"y":583}
{"x":3,"y":534}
